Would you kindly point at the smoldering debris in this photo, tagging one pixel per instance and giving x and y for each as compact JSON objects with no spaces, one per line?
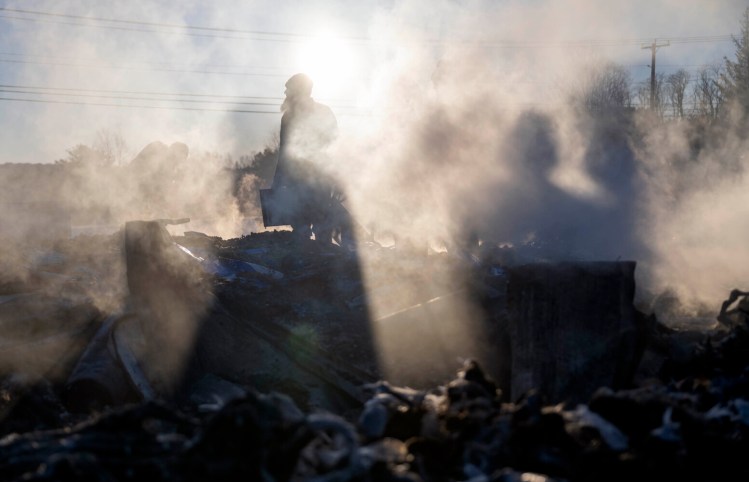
{"x":457,"y":431}
{"x":290,"y":367}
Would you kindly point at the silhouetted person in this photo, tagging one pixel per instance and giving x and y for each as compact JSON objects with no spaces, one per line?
{"x":311,"y":197}
{"x":159,"y":172}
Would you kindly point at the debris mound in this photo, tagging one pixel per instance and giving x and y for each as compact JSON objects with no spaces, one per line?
{"x":280,"y":379}
{"x":691,"y":429}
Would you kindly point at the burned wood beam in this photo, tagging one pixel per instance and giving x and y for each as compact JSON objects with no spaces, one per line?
{"x":98,"y":379}
{"x":170,"y":297}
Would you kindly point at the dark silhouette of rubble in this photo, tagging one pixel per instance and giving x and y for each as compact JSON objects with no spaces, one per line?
{"x":281,"y":379}
{"x":573,"y":327}
{"x":456,"y":431}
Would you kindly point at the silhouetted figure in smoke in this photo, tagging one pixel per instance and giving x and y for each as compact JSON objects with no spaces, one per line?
{"x":312,"y":197}
{"x":159,"y":172}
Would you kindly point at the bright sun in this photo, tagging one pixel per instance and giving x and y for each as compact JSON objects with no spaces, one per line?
{"x":329,"y":61}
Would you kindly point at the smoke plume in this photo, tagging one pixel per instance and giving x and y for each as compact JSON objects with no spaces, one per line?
{"x":471,"y":128}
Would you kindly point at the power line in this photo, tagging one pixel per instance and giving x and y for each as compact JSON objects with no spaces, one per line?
{"x":108,"y":27}
{"x":294,"y":37}
{"x":352,"y":112}
{"x":634,"y":104}
{"x":136,"y":69}
{"x":139,"y":92}
{"x":127,"y":95}
{"x":703,"y":39}
{"x":136,"y":61}
{"x":132,"y":29}
{"x":172,"y":26}
{"x":101,"y":104}
{"x":152,"y":31}
{"x":148,"y":24}
{"x":146,"y":69}
{"x":124,"y":97}
{"x":675,"y":66}
{"x":215,"y":32}
{"x":604,"y":42}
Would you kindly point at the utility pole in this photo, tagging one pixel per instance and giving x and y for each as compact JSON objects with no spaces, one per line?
{"x":653,"y":47}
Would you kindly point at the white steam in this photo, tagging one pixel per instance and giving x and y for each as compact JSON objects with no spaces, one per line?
{"x":468,"y":128}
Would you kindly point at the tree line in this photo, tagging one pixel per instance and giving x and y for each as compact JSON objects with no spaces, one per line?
{"x":708,"y":94}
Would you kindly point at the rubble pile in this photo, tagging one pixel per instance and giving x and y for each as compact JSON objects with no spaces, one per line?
{"x":686,"y":430}
{"x":282,"y":379}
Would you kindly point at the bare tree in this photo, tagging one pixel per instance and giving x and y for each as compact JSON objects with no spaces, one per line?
{"x":604,"y":88}
{"x":82,"y":155}
{"x":111,"y":146}
{"x":734,"y":82}
{"x":676,"y":88}
{"x":707,"y":94}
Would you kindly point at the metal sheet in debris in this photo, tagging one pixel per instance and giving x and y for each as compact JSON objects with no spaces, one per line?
{"x":275,"y":205}
{"x":229,"y":267}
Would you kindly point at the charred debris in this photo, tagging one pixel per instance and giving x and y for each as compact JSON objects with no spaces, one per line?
{"x":145,"y":355}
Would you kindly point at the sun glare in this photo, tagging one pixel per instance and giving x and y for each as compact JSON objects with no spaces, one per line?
{"x":329,"y":61}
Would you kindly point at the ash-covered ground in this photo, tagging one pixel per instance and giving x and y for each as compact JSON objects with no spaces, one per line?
{"x":288,"y":371}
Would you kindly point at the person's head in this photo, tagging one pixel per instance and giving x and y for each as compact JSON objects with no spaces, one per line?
{"x":298,"y":91}
{"x":299,"y":85}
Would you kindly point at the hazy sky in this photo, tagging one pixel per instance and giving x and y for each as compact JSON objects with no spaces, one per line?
{"x":68,"y":69}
